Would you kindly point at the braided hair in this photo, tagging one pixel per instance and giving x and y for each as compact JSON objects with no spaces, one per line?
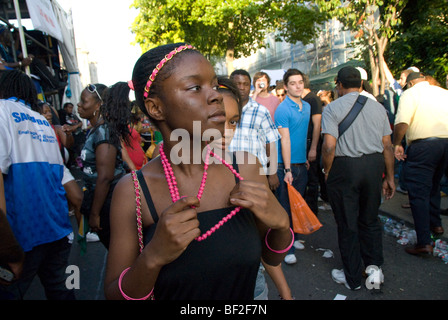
{"x":15,"y":83}
{"x":116,"y":111}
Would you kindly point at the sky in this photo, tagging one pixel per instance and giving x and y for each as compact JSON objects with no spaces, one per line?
{"x":102,"y":27}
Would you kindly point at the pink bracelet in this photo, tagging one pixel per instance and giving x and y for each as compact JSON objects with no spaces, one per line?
{"x":279,"y":251}
{"x":121,"y":290}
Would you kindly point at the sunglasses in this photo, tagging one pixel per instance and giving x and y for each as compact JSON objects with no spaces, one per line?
{"x":92,"y":89}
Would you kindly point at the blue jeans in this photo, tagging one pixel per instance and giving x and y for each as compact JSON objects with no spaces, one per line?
{"x":401,"y":169}
{"x":444,"y":183}
{"x":300,"y":180}
{"x":261,"y":287}
{"x":49,"y":261}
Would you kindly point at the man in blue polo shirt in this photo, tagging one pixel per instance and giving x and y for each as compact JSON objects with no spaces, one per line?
{"x":292,"y":118}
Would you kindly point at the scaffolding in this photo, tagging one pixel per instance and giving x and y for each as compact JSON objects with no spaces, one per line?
{"x":57,"y":57}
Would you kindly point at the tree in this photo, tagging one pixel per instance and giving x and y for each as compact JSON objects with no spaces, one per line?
{"x":233,"y":28}
{"x":373,"y":22}
{"x":421,"y":39}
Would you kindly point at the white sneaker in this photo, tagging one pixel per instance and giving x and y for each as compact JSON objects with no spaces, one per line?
{"x":298,"y":245}
{"x":290,"y":259}
{"x":92,"y":237}
{"x":399,"y":189}
{"x":70,"y":237}
{"x":338,"y":276}
{"x":325,"y":207}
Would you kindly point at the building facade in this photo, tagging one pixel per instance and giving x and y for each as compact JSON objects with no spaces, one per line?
{"x":329,"y":50}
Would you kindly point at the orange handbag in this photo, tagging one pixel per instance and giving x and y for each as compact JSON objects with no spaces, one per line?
{"x":304,"y":221}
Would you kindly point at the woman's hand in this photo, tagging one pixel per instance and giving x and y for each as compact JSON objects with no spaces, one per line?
{"x":94,"y":222}
{"x":177,"y":227}
{"x":257,"y":197}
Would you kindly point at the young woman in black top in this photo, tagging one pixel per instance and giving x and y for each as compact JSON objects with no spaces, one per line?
{"x":206,"y":241}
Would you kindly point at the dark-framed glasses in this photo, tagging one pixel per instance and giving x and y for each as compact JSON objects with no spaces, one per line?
{"x":92,"y":89}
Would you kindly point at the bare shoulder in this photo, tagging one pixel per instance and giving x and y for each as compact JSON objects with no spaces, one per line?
{"x":123,"y":199}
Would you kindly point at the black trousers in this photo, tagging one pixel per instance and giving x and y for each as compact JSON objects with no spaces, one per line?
{"x":312,"y":188}
{"x":354,"y":188}
{"x":89,"y":193}
{"x":425,"y":165}
{"x":316,"y":179}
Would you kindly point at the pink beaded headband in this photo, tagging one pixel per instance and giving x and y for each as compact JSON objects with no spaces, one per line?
{"x":162,"y":62}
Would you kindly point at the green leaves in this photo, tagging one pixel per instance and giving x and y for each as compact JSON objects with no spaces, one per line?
{"x":214,"y":26}
{"x":421,"y":39}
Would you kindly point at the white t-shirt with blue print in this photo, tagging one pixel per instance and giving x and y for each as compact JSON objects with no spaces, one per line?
{"x":32,"y":169}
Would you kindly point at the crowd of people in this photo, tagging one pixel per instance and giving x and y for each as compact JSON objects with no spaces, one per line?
{"x":209,"y":216}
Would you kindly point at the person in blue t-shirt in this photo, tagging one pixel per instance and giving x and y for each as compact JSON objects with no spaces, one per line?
{"x":292,"y":118}
{"x":36,"y":206}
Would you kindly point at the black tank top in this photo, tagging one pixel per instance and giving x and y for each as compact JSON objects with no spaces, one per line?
{"x":222,"y":267}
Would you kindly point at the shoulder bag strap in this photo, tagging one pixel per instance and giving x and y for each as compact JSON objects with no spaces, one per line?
{"x":353,"y":113}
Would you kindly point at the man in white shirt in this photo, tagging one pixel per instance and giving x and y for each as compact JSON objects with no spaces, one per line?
{"x":423,"y":118}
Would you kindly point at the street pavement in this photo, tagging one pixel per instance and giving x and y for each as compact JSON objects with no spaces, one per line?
{"x":406,"y":277}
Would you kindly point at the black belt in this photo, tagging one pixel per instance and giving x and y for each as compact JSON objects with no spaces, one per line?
{"x":429,"y":139}
{"x":297,"y":164}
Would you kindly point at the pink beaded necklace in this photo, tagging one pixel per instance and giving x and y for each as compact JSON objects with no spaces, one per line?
{"x":174,"y":191}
